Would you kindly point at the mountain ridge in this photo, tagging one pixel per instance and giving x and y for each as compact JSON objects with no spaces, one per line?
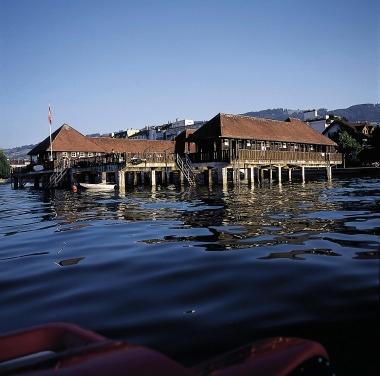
{"x":358,"y":112}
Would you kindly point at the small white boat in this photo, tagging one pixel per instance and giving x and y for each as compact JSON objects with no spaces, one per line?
{"x":98,"y":187}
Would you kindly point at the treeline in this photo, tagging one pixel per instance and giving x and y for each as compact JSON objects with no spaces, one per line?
{"x":5,"y":168}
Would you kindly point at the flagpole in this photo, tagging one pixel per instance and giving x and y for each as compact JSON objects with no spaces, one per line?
{"x":51,"y":145}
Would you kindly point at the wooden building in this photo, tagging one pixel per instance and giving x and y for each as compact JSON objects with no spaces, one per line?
{"x":82,"y":159}
{"x":67,"y":143}
{"x":227,"y":145}
{"x":243,"y":142}
{"x":228,"y":134}
{"x":359,"y":131}
{"x":183,"y":145}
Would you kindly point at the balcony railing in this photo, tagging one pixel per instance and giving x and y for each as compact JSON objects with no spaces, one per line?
{"x":102,"y":160}
{"x":288,"y":156}
{"x":215,"y":156}
{"x":155,"y":157}
{"x":266,"y":156}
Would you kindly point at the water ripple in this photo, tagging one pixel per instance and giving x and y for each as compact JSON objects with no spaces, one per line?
{"x":196,"y":272}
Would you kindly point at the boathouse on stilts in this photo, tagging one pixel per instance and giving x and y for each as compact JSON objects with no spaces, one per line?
{"x":228,"y":148}
{"x":235,"y":147}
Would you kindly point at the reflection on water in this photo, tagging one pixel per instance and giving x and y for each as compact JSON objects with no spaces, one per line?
{"x":297,"y":255}
{"x":291,"y":259}
{"x":370,"y":255}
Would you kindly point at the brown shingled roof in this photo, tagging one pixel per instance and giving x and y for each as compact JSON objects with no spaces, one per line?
{"x":66,"y":138}
{"x":246,"y":127}
{"x":122,"y":145}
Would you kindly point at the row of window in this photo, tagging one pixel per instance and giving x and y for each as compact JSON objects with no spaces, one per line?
{"x":80,"y":154}
{"x":271,"y":145}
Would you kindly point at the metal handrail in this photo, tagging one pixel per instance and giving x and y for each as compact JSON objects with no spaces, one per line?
{"x":184,"y":164}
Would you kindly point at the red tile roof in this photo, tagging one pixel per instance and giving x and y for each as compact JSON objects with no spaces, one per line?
{"x":122,"y":145}
{"x":66,"y":138}
{"x":252,"y":128}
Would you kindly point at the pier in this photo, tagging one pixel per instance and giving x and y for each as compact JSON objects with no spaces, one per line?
{"x":130,"y":170}
{"x":228,"y":148}
{"x":250,"y":166}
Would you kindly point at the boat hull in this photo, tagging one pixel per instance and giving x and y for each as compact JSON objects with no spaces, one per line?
{"x":98,"y":187}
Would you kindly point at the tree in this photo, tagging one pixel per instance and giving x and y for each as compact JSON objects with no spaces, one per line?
{"x":347,"y":145}
{"x":5,"y":168}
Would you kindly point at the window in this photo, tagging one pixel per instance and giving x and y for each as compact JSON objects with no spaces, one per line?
{"x":98,"y":154}
{"x":284,"y":145}
{"x":73,"y":154}
{"x":90,"y":154}
{"x":64,"y":154}
{"x":82,"y":154}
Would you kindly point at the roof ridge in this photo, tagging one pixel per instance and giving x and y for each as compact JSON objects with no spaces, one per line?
{"x":255,"y":117}
{"x":124,"y":139}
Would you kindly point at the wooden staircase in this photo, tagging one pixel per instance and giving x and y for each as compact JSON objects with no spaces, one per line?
{"x":185,"y":166}
{"x":57,"y":176}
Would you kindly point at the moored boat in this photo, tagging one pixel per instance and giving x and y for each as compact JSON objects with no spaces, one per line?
{"x":99,"y":186}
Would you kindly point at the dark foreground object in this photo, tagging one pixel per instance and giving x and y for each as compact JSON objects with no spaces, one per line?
{"x":66,"y":349}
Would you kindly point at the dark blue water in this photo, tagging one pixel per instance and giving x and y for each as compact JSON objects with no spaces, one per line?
{"x":196,"y":273}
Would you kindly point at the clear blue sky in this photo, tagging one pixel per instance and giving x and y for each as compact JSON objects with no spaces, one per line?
{"x":109,"y":65}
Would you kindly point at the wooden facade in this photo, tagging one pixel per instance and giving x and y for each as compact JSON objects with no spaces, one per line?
{"x":266,"y":157}
{"x":240,"y":144}
{"x":231,"y":137}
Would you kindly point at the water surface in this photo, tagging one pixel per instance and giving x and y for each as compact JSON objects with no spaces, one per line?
{"x":196,"y":272}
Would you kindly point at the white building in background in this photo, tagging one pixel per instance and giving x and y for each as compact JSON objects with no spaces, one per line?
{"x":178,"y":126}
{"x":319,"y":123}
{"x":166,"y":131}
{"x":148,"y":133}
{"x":127,"y":133}
{"x":310,"y":115}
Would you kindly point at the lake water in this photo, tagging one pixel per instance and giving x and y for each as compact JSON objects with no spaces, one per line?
{"x":194,"y":273}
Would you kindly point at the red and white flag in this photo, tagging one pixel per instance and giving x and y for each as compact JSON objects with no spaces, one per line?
{"x":50,"y":116}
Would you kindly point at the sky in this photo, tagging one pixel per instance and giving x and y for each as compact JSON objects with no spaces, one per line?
{"x":110,"y":65}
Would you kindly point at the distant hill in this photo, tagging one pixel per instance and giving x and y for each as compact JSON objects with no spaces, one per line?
{"x":358,"y":112}
{"x":276,"y":113}
{"x":19,"y":152}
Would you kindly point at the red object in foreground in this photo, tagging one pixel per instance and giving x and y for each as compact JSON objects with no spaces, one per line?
{"x":66,"y":349}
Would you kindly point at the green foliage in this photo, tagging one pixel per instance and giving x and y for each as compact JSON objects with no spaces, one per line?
{"x":348,"y":145}
{"x":5,"y":168}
